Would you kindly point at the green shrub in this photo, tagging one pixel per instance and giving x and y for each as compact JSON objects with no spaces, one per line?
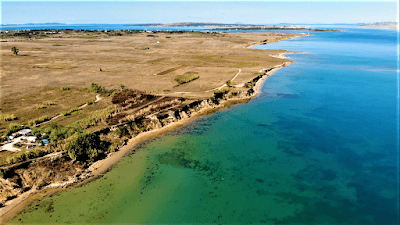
{"x":219,"y":94}
{"x":122,"y":131}
{"x":64,"y":88}
{"x":230,"y":83}
{"x":7,"y":117}
{"x":61,"y":133}
{"x":113,"y":92}
{"x":68,"y":112}
{"x":36,"y":121}
{"x":40,"y":106}
{"x":44,"y":104}
{"x":95,"y":88}
{"x":13,"y":128}
{"x":48,"y":103}
{"x":223,"y":90}
{"x":182,"y":79}
{"x":90,"y":102}
{"x":37,"y":132}
{"x":249,"y":84}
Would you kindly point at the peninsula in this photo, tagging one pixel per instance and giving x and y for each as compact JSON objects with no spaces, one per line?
{"x":74,"y":102}
{"x":226,"y":27}
{"x":386,"y":25}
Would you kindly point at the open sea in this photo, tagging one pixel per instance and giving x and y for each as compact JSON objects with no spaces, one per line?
{"x":319,"y":145}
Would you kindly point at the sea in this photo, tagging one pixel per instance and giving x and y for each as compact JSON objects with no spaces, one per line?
{"x":318,"y":145}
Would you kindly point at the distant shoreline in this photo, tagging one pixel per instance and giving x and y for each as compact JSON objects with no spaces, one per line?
{"x":383,"y":26}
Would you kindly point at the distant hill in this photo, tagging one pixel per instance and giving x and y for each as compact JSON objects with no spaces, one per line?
{"x":378,"y":24}
{"x":386,"y":25}
{"x":187,"y":24}
{"x":33,"y":24}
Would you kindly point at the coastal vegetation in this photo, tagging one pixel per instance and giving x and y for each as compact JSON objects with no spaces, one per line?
{"x":36,"y":121}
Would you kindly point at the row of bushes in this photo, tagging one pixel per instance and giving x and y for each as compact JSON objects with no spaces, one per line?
{"x":39,"y":120}
{"x":22,"y":156}
{"x":64,"y":88}
{"x":182,"y":79}
{"x":7,"y":117}
{"x":44,"y":104}
{"x":94,"y":118}
{"x":68,"y":112}
{"x":13,"y":128}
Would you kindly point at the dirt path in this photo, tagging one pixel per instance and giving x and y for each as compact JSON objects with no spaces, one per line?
{"x":217,"y":88}
{"x":80,"y":107}
{"x":236,"y":75}
{"x":98,"y":98}
{"x":54,"y":154}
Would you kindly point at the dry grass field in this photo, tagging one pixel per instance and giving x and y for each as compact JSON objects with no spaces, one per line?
{"x":148,"y":62}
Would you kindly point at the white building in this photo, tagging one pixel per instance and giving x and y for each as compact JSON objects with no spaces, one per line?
{"x":31,"y":139}
{"x":24,"y":131}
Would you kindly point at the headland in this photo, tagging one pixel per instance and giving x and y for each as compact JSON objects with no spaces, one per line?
{"x":384,"y":25}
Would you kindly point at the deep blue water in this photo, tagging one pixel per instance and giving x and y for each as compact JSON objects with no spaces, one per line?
{"x":319,"y":145}
{"x":347,"y":106}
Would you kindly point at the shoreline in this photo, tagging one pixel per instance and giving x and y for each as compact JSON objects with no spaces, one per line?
{"x":392,"y":27}
{"x":98,"y":168}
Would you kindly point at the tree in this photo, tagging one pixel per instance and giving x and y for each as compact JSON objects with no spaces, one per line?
{"x":121,"y":86}
{"x":84,"y":146}
{"x":95,"y":88}
{"x":15,"y":50}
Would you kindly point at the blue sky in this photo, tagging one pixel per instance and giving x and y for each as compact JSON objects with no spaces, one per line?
{"x":261,"y":12}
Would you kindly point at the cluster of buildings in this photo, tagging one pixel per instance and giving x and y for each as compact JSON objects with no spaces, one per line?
{"x":23,"y":138}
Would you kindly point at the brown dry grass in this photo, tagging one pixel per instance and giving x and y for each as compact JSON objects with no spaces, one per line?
{"x":74,"y":60}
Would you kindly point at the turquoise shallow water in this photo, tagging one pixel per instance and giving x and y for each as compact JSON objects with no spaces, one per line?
{"x":319,"y":145}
